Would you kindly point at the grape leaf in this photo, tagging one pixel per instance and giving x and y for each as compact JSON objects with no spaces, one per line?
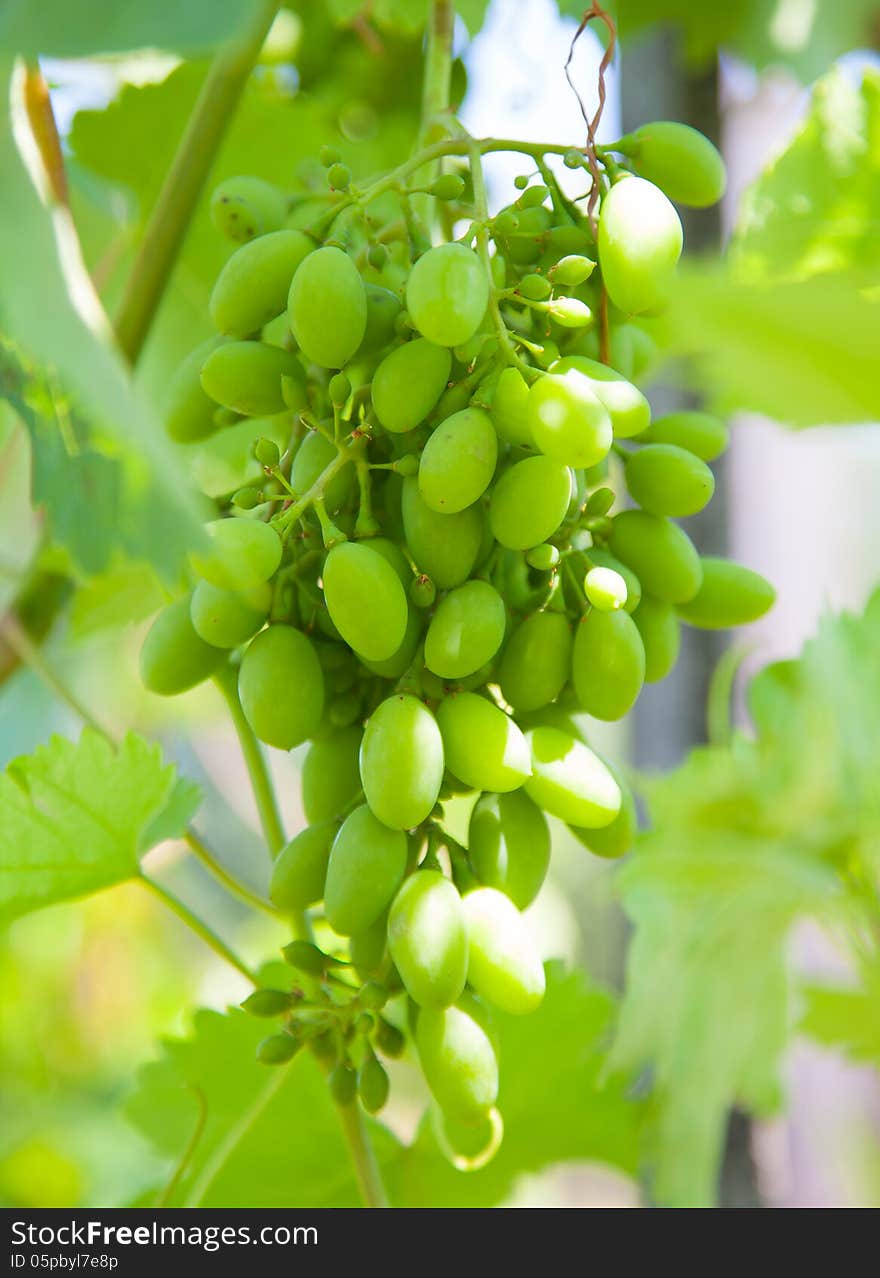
{"x":126,"y":592}
{"x":59,"y":29}
{"x":847,"y":1019}
{"x":74,"y":818}
{"x":746,"y":839}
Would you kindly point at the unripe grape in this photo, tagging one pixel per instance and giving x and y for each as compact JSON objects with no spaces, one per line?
{"x":330,"y":774}
{"x":339,"y":177}
{"x":625,"y":404}
{"x":427,"y":939}
{"x":301,"y":867}
{"x":458,"y":1059}
{"x":534,"y":287}
{"x":572,"y":270}
{"x":406,"y":466}
{"x":373,"y":1085}
{"x":605,"y":589}
{"x":377,"y":256}
{"x":339,"y":388}
{"x":660,"y":553}
{"x":449,"y":186}
{"x":509,"y":408}
{"x":543,"y":557}
{"x":521,"y":181}
{"x":408,"y":383}
{"x":509,"y":845}
{"x":253,"y":285}
{"x":640,"y":241}
{"x":227,"y":618}
{"x":247,"y":498}
{"x":327,"y":306}
{"x":569,"y":781}
{"x":367,"y":948}
{"x":482,"y":745}
{"x":700,"y":433}
{"x":306,"y":957}
{"x":422,"y":591}
{"x":533,"y":223}
{"x":281,"y":687}
{"x":535,"y":664}
{"x":365,"y":600}
{"x":679,"y":159}
{"x":401,"y":762}
{"x":174,"y":657}
{"x":601,"y":558}
{"x":383,"y":311}
{"x":244,"y":553}
{"x":503,"y":965}
{"x":389,"y":1039}
{"x":443,"y":546}
{"x":246,"y":377}
{"x":569,"y":312}
{"x":529,"y":502}
{"x":366,"y":867}
{"x":608,"y":663}
{"x":532,"y":196}
{"x":277,"y":1049}
{"x":505,"y":223}
{"x":568,"y":420}
{"x":600,"y":502}
{"x":267,"y":1003}
{"x":466,"y":630}
{"x":458,"y":461}
{"x":661,"y":636}
{"x":667,"y":480}
{"x":329,"y":155}
{"x":730,"y":595}
{"x":267,"y":453}
{"x":343,"y":1083}
{"x":574,"y":159}
{"x":447,"y":293}
{"x":189,"y":410}
{"x":244,"y":207}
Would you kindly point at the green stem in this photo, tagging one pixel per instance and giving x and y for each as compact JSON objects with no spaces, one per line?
{"x":204,"y":854}
{"x":435,"y":89}
{"x":183,"y":184}
{"x":362,"y":1156}
{"x":192,"y":921}
{"x":261,"y":783}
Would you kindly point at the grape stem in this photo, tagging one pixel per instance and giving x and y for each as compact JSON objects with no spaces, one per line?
{"x":261,"y":784}
{"x":201,"y":929}
{"x":362,"y":1156}
{"x":204,"y":854}
{"x":185,"y":179}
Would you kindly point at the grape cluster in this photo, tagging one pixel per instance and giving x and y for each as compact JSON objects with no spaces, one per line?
{"x":428,"y":570}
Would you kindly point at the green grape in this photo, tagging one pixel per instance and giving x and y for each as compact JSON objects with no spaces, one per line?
{"x":600,"y":502}
{"x":422,"y":591}
{"x":391,"y":552}
{"x":383,"y":308}
{"x":569,"y":781}
{"x":534,"y":223}
{"x":468,"y":1146}
{"x":667,"y":480}
{"x":339,"y":389}
{"x":625,"y":404}
{"x":700,"y":433}
{"x":373,"y":995}
{"x":339,"y":177}
{"x":532,"y":197}
{"x":327,"y":306}
{"x":730,"y":595}
{"x":312,"y":458}
{"x":427,"y":939}
{"x":660,"y":553}
{"x":604,"y":559}
{"x":277,"y":1049}
{"x":453,"y":400}
{"x":267,"y":453}
{"x":661,"y":636}
{"x":402,"y":762}
{"x":605,"y":589}
{"x":189,"y":412}
{"x":281,"y":687}
{"x":226,"y":461}
{"x":543,"y":557}
{"x":365,"y":599}
{"x":331,"y":778}
{"x":367,"y":865}
{"x":252,"y":288}
{"x":443,"y":546}
{"x":466,"y":630}
{"x":244,"y":554}
{"x":569,"y":312}
{"x":246,"y":377}
{"x":535,"y":287}
{"x":389,"y":1040}
{"x":267,"y":1003}
{"x":408,"y":383}
{"x":529,"y":502}
{"x":342,"y":1082}
{"x":301,"y":868}
{"x":458,"y":461}
{"x":482,"y":745}
{"x":509,"y":845}
{"x":615,"y":839}
{"x":572,"y":270}
{"x":372,"y":1085}
{"x":174,"y":657}
{"x":503,"y":965}
{"x":536,"y":661}
{"x":307,"y":958}
{"x":458,"y":1059}
{"x":276,"y":332}
{"x":679,"y":159}
{"x":568,"y":420}
{"x":367,"y":948}
{"x":608,"y":663}
{"x":640,"y":241}
{"x":400,"y":660}
{"x":509,"y":409}
{"x":244,"y":207}
{"x":226,"y":618}
{"x":449,"y":186}
{"x":447,"y":293}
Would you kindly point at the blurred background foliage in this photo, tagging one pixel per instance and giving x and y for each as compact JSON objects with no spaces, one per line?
{"x":755,"y":832}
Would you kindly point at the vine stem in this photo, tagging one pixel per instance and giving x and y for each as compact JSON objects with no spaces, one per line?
{"x":204,"y":854}
{"x":435,"y":86}
{"x":185,"y":179}
{"x":192,"y":921}
{"x":363,"y":1156}
{"x":261,"y":783}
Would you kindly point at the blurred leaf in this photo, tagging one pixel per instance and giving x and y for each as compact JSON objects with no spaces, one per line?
{"x":74,"y":818}
{"x":554,"y":1106}
{"x":747,"y":839}
{"x":61,"y":29}
{"x":846,"y":1019}
{"x":126,"y":592}
{"x":815,"y":208}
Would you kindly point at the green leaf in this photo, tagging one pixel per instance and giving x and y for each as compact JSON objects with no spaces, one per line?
{"x":846,"y":1019}
{"x":555,"y":1106}
{"x":473,"y":14}
{"x":815,"y":208}
{"x":127,"y":592}
{"x":74,"y":818}
{"x":61,"y":29}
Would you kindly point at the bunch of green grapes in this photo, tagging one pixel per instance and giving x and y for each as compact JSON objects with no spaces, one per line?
{"x":445,"y":527}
